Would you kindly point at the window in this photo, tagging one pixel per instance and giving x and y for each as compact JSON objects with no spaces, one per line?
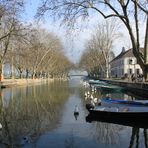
{"x":122,"y":71}
{"x":130,"y":61}
{"x":137,"y":71}
{"x":130,"y":71}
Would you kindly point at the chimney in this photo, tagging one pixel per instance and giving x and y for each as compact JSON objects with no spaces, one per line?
{"x":123,"y":50}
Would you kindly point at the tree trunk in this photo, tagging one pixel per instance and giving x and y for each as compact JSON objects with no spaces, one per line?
{"x":107,"y":70}
{"x":146,"y":44}
{"x":34,"y":75}
{"x":142,"y":63}
{"x":145,"y":72}
{"x":21,"y":74}
{"x":107,"y":67}
{"x":27,"y":73}
{"x":12,"y":71}
{"x":1,"y":71}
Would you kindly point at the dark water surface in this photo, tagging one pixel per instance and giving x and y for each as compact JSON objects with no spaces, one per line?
{"x":42,"y":116}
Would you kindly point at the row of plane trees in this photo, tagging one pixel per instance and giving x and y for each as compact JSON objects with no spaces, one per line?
{"x":28,"y":49}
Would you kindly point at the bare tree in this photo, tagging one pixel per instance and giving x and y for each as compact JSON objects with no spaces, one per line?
{"x":9,"y":25}
{"x":104,"y":37}
{"x":17,"y":53}
{"x":101,"y":44}
{"x":92,"y":60}
{"x":39,"y":53}
{"x":130,"y":12}
{"x":43,"y":44}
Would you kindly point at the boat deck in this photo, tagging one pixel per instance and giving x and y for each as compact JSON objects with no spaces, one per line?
{"x":121,"y":108}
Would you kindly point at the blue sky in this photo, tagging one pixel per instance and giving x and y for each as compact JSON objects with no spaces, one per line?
{"x":30,"y":9}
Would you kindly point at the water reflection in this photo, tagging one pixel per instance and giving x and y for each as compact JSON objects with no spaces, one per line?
{"x":135,"y":139}
{"x":126,"y":95}
{"x":30,"y":111}
{"x":114,"y":135}
{"x":107,"y":133}
{"x":43,"y":116}
{"x":111,"y":132}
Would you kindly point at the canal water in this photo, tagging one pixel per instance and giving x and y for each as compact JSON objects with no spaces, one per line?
{"x":42,"y":116}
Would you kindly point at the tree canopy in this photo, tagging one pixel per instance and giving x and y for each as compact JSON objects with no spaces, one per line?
{"x":129,"y":12}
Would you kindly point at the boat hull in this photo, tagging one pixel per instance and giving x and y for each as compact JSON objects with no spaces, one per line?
{"x":119,"y":114}
{"x":120,"y":121}
{"x":130,"y":116}
{"x":109,"y":88}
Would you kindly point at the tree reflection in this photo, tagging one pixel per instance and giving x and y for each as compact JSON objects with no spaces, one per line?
{"x":30,"y":111}
{"x":109,"y":134}
{"x":106,"y":133}
{"x":135,"y":136}
{"x":145,"y":137}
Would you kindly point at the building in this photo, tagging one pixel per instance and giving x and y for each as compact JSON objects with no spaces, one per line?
{"x":124,"y":64}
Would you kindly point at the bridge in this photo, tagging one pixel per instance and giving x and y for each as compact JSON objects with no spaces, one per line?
{"x":77,"y":75}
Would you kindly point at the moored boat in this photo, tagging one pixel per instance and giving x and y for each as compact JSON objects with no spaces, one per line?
{"x":92,"y":81}
{"x":137,"y":124}
{"x":106,"y":101}
{"x":108,"y":87}
{"x":130,"y":114}
{"x":111,"y":87}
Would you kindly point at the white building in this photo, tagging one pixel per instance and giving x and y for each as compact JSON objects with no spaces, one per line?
{"x":124,"y":64}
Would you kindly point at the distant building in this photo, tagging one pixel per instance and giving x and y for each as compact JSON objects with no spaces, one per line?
{"x":124,"y":64}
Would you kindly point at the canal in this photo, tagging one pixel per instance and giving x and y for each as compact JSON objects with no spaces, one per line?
{"x":42,"y":116}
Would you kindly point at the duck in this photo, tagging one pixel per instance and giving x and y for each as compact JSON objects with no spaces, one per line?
{"x":85,"y":94}
{"x":0,"y":126}
{"x":76,"y":112}
{"x":91,"y":97}
{"x":95,"y":100}
{"x":88,"y":94}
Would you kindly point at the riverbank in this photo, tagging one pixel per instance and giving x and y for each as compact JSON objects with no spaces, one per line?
{"x":18,"y":82}
{"x":140,"y":88}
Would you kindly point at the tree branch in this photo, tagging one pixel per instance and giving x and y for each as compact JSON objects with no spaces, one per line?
{"x":116,"y":12}
{"x":140,"y":7}
{"x":137,"y":26}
